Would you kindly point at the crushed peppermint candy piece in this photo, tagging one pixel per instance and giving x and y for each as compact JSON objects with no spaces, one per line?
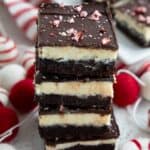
{"x":61,"y":5}
{"x":71,"y":20}
{"x":56,"y":23}
{"x":63,"y":33}
{"x":102,"y":30}
{"x":60,"y":18}
{"x":105,"y":41}
{"x":140,"y":10}
{"x":71,"y":31}
{"x":95,"y":16}
{"x":133,"y":13}
{"x":77,"y":36}
{"x":78,"y":8}
{"x":148,"y":20}
{"x":141,"y":18}
{"x":61,"y":109}
{"x":52,"y":34}
{"x":83,"y":13}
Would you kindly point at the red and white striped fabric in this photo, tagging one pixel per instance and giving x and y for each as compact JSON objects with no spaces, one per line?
{"x":28,"y":59}
{"x":25,"y":15}
{"x":38,"y":2}
{"x":8,"y":51}
{"x":137,"y":144}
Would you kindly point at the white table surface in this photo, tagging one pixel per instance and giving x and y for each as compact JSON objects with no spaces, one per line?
{"x":28,"y":137}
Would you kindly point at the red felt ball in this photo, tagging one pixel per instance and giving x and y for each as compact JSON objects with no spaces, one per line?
{"x":8,"y":119}
{"x":30,"y":72}
{"x":22,"y":96}
{"x":1,"y":104}
{"x":126,"y":90}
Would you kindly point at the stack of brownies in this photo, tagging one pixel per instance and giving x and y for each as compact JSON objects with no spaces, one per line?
{"x":76,"y":53}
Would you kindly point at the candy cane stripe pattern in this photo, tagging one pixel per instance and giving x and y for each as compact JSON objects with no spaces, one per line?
{"x":25,"y":15}
{"x":137,"y":144}
{"x":8,"y":51}
{"x":4,"y":97}
{"x":28,"y":59}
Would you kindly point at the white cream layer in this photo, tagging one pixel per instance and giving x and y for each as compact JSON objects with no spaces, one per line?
{"x":77,"y":119}
{"x":82,"y":143}
{"x":133,"y":24}
{"x":74,"y":53}
{"x":76,"y":88}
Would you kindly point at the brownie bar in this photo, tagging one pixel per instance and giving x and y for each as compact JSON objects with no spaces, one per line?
{"x":133,"y":19}
{"x":69,"y":133}
{"x":76,"y":41}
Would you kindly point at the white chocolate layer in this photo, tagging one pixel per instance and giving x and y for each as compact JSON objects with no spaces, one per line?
{"x":77,"y":119}
{"x":76,"y":88}
{"x":133,"y":24}
{"x":74,"y":53}
{"x":82,"y":143}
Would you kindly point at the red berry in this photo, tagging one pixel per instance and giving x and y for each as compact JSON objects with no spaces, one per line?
{"x":30,"y":72}
{"x":126,"y":90}
{"x":8,"y":119}
{"x":22,"y":96}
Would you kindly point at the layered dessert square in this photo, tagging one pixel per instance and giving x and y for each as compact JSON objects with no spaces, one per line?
{"x":76,"y":41}
{"x":73,"y":126}
{"x":105,"y":141}
{"x":134,"y":19}
{"x":76,"y":54}
{"x":85,"y":94}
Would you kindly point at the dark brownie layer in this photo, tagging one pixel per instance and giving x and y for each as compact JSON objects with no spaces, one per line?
{"x":93,"y":103}
{"x":133,"y":34}
{"x":96,"y":147}
{"x":102,"y":69}
{"x":58,"y":134}
{"x":63,"y":78}
{"x":86,"y":25}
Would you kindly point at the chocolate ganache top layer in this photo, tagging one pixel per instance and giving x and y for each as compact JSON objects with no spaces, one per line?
{"x":86,"y":25}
